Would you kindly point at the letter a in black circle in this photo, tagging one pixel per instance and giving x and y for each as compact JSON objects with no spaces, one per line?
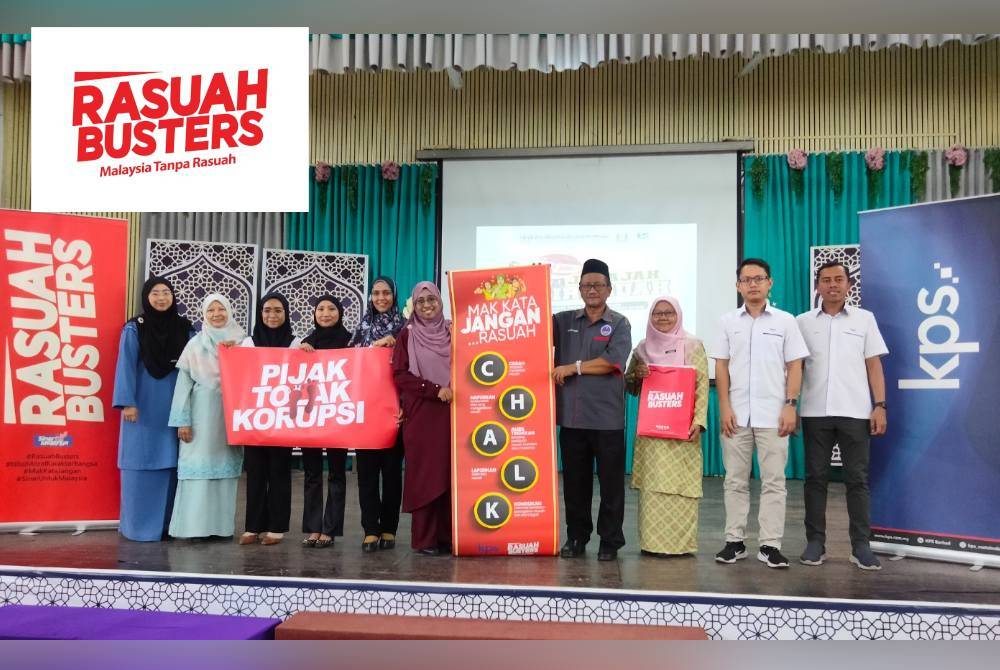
{"x":490,"y":438}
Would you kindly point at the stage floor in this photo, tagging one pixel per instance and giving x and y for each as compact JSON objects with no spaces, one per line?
{"x":906,"y":580}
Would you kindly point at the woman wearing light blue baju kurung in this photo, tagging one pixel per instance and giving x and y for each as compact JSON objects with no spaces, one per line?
{"x":208,"y":469}
{"x":144,"y":387}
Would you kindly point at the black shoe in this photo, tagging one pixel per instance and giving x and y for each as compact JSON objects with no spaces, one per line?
{"x":732,"y":552}
{"x":369,"y":546}
{"x":387,"y":542}
{"x":573,"y":549}
{"x":607,"y":554}
{"x":771,"y":557}
{"x":863,"y":557}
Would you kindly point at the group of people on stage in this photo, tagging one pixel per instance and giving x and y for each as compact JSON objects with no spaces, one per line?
{"x":765,"y":358}
{"x":179,"y":475}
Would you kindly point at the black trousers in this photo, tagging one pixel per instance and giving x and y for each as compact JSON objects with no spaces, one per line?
{"x":579,"y":449}
{"x":380,"y":509}
{"x":317,"y":518}
{"x":269,"y":488}
{"x":820,"y":434}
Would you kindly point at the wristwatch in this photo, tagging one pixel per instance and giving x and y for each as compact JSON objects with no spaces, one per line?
{"x":880,"y":403}
{"x":792,"y":402}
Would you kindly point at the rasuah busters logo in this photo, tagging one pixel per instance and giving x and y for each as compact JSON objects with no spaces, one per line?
{"x":169,"y":119}
{"x":665,"y":399}
{"x":135,"y":115}
{"x":51,"y":375}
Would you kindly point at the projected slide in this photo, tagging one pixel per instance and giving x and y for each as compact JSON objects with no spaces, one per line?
{"x":646,"y":260}
{"x":665,"y":224}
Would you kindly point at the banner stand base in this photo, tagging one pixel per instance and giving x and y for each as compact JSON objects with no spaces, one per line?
{"x":32,"y":527}
{"x":975,"y":561}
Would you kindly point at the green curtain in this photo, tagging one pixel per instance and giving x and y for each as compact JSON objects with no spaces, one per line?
{"x":399,"y":238}
{"x":781,"y":226}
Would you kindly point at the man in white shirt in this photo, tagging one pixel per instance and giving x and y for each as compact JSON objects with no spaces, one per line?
{"x":842,"y":374}
{"x":758,"y":370}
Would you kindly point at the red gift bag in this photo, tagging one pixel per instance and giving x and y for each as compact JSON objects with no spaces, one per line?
{"x":666,"y":404}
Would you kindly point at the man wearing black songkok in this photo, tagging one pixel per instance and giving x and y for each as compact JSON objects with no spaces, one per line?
{"x":592,"y":346}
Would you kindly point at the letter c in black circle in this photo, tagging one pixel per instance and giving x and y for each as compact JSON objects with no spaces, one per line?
{"x":488,"y":368}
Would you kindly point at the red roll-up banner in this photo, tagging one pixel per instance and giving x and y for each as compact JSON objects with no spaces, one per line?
{"x":505,"y":493}
{"x":666,"y":405}
{"x":62,"y":291}
{"x":340,"y":398}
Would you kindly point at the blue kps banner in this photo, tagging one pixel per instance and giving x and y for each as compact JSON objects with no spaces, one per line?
{"x":932,"y":278}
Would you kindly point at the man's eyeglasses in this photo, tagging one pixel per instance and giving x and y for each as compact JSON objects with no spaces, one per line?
{"x":593,"y":287}
{"x":759,"y":279}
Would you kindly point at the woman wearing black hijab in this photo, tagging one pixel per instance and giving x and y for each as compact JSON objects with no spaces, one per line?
{"x":145,"y":377}
{"x":323,"y":523}
{"x":269,"y":469}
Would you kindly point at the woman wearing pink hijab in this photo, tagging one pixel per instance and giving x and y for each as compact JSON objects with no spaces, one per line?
{"x":668,"y":472}
{"x":421,"y":364}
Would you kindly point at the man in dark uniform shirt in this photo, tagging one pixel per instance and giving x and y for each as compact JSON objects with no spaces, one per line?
{"x":592,"y":347}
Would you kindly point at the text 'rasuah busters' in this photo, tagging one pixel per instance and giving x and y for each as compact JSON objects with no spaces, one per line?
{"x":121,"y":115}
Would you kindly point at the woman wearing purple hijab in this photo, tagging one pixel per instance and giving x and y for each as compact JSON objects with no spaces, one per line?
{"x":421,"y":364}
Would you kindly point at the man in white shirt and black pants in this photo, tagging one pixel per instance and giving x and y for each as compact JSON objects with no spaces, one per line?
{"x":758,"y":370}
{"x":842,"y":375}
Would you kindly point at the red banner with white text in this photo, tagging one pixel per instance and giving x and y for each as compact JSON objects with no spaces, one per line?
{"x":340,"y":398}
{"x":505,"y":495}
{"x":62,"y":291}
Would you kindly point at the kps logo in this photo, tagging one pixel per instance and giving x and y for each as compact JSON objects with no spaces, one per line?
{"x":938,"y":335}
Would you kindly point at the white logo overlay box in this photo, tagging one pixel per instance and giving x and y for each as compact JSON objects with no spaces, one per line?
{"x":169,"y":119}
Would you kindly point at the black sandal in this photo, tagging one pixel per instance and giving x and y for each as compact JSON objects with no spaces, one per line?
{"x":370,"y":546}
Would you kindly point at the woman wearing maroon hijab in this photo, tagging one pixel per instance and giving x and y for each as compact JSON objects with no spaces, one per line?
{"x":421,"y":364}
